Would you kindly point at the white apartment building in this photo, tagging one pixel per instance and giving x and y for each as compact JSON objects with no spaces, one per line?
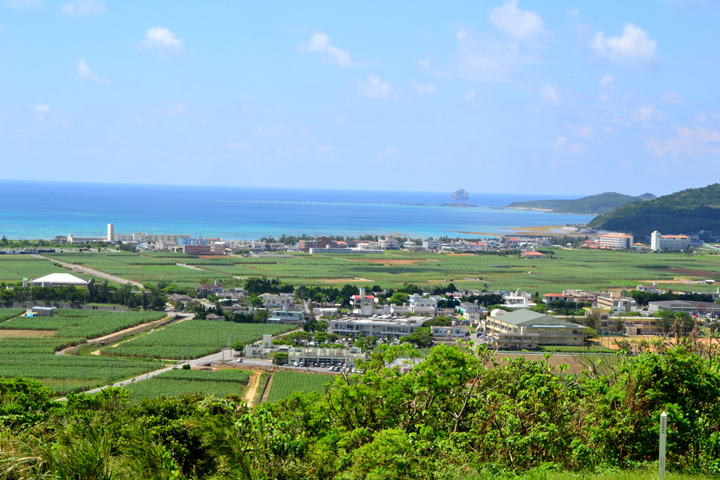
{"x":658,"y":242}
{"x":277,"y":301}
{"x":518,"y":300}
{"x":423,"y":305}
{"x":383,"y":326}
{"x":388,"y":243}
{"x":616,"y":241}
{"x":457,"y":331}
{"x":432,"y":244}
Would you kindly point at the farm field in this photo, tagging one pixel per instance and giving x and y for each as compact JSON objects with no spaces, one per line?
{"x":140,"y":268}
{"x":583,"y":269}
{"x":286,"y":383}
{"x":13,"y":268}
{"x":82,"y":323}
{"x":203,"y":336}
{"x":34,"y":356}
{"x":177,"y":382}
{"x":7,"y":313}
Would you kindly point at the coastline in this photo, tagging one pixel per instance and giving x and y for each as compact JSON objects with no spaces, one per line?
{"x":545,"y":210}
{"x":540,"y":230}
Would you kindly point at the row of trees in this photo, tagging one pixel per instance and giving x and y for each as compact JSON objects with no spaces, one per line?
{"x":152,"y":298}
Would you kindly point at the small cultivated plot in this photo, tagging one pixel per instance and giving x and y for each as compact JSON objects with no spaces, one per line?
{"x":285,"y":384}
{"x":82,"y":323}
{"x":7,"y":313}
{"x":220,"y":383}
{"x":196,"y":338}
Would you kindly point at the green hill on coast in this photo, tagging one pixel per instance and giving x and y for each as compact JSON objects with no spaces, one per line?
{"x":595,"y":204}
{"x":688,"y":211}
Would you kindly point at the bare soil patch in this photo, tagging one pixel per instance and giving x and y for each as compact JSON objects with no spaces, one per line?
{"x":27,"y":333}
{"x":388,"y":262}
{"x":253,"y":385}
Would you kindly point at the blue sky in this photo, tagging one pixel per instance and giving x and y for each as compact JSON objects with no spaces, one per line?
{"x":499,"y":97}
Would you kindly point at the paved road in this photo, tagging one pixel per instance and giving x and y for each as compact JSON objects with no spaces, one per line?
{"x":214,"y":358}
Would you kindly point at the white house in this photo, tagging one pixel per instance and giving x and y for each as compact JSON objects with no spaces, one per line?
{"x":457,"y":331}
{"x":281,"y":300}
{"x":422,"y":305}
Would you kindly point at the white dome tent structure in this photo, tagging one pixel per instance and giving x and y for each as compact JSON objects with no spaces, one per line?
{"x":59,"y":280}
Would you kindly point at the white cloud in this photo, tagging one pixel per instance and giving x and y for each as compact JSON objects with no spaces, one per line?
{"x":704,"y":117}
{"x":84,"y":72}
{"x":550,"y":94}
{"x":562,"y":145}
{"x":694,"y":140}
{"x":425,"y":88}
{"x":519,"y":24}
{"x":23,"y":3}
{"x":672,"y":98}
{"x":469,"y":96}
{"x":649,"y":113}
{"x":200,"y":121}
{"x":607,"y":80}
{"x":162,"y":40}
{"x":50,"y":116}
{"x":139,"y":119}
{"x":273,"y":131}
{"x":573,"y":13}
{"x":390,"y":151}
{"x":624,"y":166}
{"x":585,"y":131}
{"x":173,"y":109}
{"x":236,"y":146}
{"x":320,"y":43}
{"x":82,"y":7}
{"x":373,"y":87}
{"x":633,"y":47}
{"x":487,"y":59}
{"x":324,"y":149}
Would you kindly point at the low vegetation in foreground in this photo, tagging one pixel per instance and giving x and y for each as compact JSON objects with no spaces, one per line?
{"x":458,"y":414}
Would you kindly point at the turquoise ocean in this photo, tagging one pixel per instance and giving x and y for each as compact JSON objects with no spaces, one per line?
{"x":46,"y":209}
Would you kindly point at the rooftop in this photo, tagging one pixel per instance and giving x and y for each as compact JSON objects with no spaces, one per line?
{"x":528,"y":318}
{"x":61,"y":279}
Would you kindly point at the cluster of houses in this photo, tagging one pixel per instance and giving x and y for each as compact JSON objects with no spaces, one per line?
{"x":514,"y":326}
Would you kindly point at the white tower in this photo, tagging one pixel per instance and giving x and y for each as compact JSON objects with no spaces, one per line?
{"x":111,"y":232}
{"x":655,"y":241}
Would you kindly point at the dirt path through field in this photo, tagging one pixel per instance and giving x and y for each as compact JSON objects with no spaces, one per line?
{"x":267,"y":389}
{"x":141,"y":327}
{"x":253,"y":382}
{"x":190,"y":267}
